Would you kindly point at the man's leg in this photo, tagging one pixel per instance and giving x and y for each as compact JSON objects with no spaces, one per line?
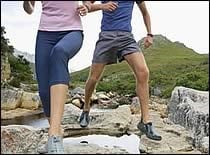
{"x":141,"y":71}
{"x":94,"y":76}
{"x":137,"y":63}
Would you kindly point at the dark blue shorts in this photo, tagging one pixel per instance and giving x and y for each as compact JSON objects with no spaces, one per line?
{"x":52,"y":54}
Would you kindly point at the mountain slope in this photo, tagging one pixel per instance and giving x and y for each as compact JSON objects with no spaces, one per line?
{"x":170,"y":64}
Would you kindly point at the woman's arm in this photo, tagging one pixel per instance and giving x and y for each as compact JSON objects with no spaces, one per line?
{"x":29,"y":6}
{"x":109,"y":6}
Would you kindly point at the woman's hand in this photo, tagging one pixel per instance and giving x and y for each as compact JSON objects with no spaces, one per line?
{"x":109,"y":6}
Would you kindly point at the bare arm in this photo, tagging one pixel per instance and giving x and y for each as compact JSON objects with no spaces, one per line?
{"x":146,"y":16}
{"x":148,"y":41}
{"x":29,"y":6}
{"x":109,"y":6}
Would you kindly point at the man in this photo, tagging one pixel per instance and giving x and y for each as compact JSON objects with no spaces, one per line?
{"x":116,"y":43}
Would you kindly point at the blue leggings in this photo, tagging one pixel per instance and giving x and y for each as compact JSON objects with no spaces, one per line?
{"x":52,"y":54}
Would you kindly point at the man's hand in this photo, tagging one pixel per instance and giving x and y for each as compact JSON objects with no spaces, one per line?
{"x":83,"y":10}
{"x":148,"y":41}
{"x":29,"y":6}
{"x":109,"y":6}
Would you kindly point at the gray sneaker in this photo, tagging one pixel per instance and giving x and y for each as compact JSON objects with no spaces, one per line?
{"x":84,"y":119}
{"x":55,"y":145}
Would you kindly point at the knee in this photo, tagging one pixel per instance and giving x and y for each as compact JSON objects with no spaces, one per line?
{"x":93,"y":79}
{"x":143,"y":75}
{"x":57,"y":52}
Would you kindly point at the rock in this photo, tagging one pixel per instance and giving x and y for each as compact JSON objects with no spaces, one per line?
{"x":30,"y":101}
{"x":123,"y":100}
{"x":5,"y":68}
{"x":157,"y":91}
{"x":204,"y":145}
{"x":19,"y":139}
{"x":161,"y":108}
{"x":71,"y":114}
{"x":104,"y":121}
{"x":101,"y":95}
{"x":111,"y":94}
{"x":113,"y":122}
{"x":107,"y":104}
{"x":78,"y":91}
{"x":29,"y":87}
{"x":135,"y":106}
{"x":76,"y":102}
{"x":94,"y":98}
{"x":10,"y":99}
{"x":19,"y":112}
{"x":190,"y":108}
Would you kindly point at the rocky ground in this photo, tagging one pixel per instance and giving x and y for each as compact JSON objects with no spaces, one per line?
{"x":116,"y":120}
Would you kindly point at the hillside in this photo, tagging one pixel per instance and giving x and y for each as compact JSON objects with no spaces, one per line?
{"x":170,"y":63}
{"x":27,"y":56}
{"x":15,"y":69}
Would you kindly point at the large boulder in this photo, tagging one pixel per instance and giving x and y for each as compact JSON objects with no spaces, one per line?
{"x":19,"y":139}
{"x":190,"y":108}
{"x":10,"y":99}
{"x":30,"y":101}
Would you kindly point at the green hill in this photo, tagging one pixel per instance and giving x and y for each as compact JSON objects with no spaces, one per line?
{"x":171,"y":64}
{"x":18,"y":68}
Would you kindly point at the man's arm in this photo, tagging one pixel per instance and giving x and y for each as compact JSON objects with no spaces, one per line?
{"x":142,"y":6}
{"x":109,"y":6}
{"x":29,"y":6}
{"x":146,"y":16}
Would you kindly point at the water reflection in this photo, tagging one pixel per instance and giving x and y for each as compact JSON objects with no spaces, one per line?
{"x":130,"y":143}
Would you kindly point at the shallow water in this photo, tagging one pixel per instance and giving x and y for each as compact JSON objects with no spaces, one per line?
{"x":37,"y":121}
{"x":129,"y":143}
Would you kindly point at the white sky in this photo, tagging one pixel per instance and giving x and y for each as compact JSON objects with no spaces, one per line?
{"x":184,"y":21}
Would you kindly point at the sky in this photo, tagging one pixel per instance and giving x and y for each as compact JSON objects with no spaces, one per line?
{"x":183,"y":21}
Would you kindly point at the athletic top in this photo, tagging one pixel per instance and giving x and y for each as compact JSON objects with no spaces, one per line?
{"x":120,"y":18}
{"x":60,"y":16}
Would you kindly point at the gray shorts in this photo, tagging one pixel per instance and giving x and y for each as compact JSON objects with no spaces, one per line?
{"x":112,"y":46}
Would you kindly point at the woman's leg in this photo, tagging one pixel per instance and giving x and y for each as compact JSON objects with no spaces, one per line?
{"x":64,"y":50}
{"x":42,"y":54}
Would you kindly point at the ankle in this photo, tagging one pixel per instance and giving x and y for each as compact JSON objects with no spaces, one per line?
{"x":145,"y":121}
{"x":56,"y":132}
{"x":86,"y":109}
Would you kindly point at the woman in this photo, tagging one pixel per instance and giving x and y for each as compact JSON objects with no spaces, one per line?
{"x":59,"y":38}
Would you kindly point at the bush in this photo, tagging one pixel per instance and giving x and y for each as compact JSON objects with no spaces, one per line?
{"x":196,"y":80}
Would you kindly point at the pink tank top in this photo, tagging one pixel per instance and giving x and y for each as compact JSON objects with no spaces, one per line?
{"x":60,"y":16}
